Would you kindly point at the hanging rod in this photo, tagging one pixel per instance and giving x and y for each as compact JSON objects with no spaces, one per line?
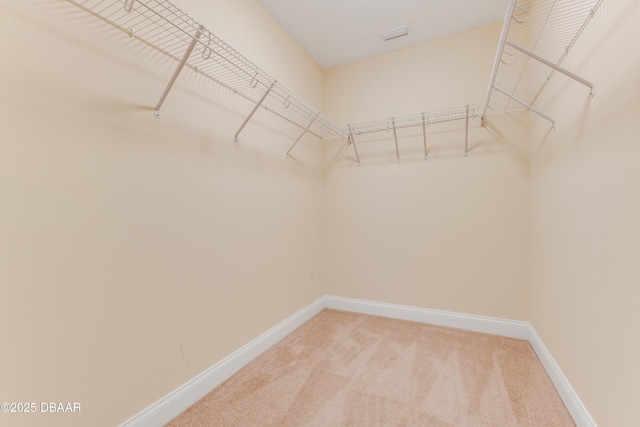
{"x":164,"y":27}
{"x":542,"y":31}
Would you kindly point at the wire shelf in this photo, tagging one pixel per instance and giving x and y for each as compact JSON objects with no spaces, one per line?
{"x":535,"y":34}
{"x":457,"y":118}
{"x":166,"y":28}
{"x":416,"y":119}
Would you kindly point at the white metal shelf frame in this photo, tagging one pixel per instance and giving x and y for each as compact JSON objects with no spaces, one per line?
{"x":457,"y":118}
{"x":535,"y":33}
{"x":166,"y":28}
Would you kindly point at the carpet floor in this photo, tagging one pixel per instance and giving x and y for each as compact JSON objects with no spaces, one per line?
{"x":349,"y":369}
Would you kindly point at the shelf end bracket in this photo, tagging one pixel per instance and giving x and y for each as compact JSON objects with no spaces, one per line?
{"x":395,"y":138}
{"x":255,"y":108}
{"x":527,"y":106}
{"x":466,"y":132}
{"x":313,"y":119}
{"x":179,"y":68}
{"x":424,"y":135}
{"x":353,"y":142}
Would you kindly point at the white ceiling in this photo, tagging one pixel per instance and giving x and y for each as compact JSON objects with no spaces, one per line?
{"x":336,"y":32}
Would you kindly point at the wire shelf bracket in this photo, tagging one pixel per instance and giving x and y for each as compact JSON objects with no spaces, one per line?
{"x":179,"y":68}
{"x":255,"y":108}
{"x":395,"y":138}
{"x":353,"y":142}
{"x":424,"y":135}
{"x":525,"y":105}
{"x":466,"y":131}
{"x":313,"y":119}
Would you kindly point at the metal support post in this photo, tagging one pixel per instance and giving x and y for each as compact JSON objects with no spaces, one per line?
{"x":255,"y":108}
{"x":353,"y":141}
{"x":313,"y":119}
{"x":424,"y":134}
{"x":395,"y":138}
{"x":554,"y":66}
{"x":183,"y":61}
{"x":466,"y":132}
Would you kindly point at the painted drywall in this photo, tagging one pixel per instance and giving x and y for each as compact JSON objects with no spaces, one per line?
{"x":585,"y":205}
{"x":448,"y":233}
{"x":134,"y":252}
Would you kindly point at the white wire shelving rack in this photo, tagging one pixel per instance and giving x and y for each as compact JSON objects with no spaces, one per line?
{"x":535,"y":33}
{"x":453,"y":118}
{"x":536,"y":37}
{"x":166,"y":28}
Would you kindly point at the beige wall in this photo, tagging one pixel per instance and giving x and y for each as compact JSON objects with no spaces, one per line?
{"x":448,"y":233}
{"x":135,"y":252}
{"x":446,"y":72}
{"x":585,"y":206}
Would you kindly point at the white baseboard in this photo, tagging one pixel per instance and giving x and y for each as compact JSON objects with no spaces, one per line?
{"x":489,"y":325}
{"x":180,"y":399}
{"x":574,"y":405}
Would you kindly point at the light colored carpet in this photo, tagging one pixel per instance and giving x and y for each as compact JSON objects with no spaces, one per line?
{"x":347,"y":369}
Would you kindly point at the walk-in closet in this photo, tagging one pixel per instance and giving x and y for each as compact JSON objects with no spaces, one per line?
{"x":201,"y":195}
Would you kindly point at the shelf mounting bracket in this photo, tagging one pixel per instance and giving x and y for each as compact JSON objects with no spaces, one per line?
{"x":313,"y":119}
{"x":395,"y":138}
{"x":183,"y":61}
{"x":255,"y":108}
{"x":527,"y":106}
{"x":424,"y":135}
{"x":466,"y":132}
{"x":353,"y":142}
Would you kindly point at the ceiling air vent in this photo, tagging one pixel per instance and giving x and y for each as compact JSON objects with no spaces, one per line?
{"x":395,"y":33}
